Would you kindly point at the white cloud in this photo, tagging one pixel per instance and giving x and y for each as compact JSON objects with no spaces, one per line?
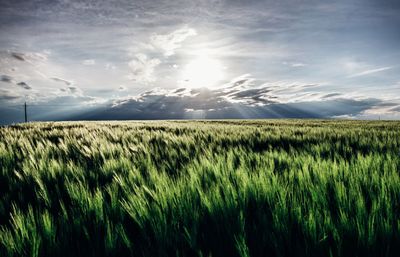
{"x":170,"y":42}
{"x":142,"y":68}
{"x":295,"y":64}
{"x":89,"y":62}
{"x":31,"y":68}
{"x":357,"y":68}
{"x":110,"y":66}
{"x":369,"y":71}
{"x":387,"y":111}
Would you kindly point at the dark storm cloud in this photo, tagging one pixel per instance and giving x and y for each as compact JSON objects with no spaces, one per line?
{"x":9,"y":79}
{"x":24,"y":85}
{"x":18,"y":56}
{"x":257,"y":96}
{"x":179,"y":90}
{"x":6,"y":78}
{"x":182,"y":108}
{"x":66,"y":82}
{"x":73,"y":90}
{"x":228,"y":102}
{"x":331,"y":95}
{"x":28,"y":56}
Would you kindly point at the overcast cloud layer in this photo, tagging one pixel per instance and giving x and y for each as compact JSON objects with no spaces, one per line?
{"x":199,"y":59}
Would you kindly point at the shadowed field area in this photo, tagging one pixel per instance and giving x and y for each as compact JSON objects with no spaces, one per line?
{"x":200,"y":188}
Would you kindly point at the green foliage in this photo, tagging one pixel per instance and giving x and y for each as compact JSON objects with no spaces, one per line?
{"x":200,"y":188}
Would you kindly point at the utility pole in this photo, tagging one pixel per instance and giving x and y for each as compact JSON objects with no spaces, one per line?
{"x":26,"y":115}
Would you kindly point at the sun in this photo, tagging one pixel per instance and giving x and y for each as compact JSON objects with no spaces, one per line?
{"x":203,"y":71}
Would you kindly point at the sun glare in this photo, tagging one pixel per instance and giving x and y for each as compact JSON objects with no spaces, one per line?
{"x":203,"y":71}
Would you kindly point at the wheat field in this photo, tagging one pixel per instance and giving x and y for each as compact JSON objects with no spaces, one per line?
{"x":200,"y":188}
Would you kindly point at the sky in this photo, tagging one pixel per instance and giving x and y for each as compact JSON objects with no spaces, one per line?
{"x":186,"y":59}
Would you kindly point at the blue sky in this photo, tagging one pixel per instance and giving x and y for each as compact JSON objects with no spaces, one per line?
{"x":199,"y":59}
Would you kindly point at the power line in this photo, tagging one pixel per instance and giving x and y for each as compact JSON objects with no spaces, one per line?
{"x":26,"y":115}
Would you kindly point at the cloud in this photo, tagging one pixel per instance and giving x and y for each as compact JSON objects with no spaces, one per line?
{"x":384,"y":110}
{"x":89,"y":62}
{"x":6,"y":78}
{"x":168,"y":43}
{"x":18,"y":56}
{"x":241,"y":98}
{"x":395,"y":109}
{"x":24,"y":85}
{"x":72,"y":90}
{"x":29,"y":56}
{"x":246,"y":90}
{"x":122,"y":88}
{"x":11,"y":80}
{"x":295,"y":64}
{"x":8,"y":95}
{"x":110,"y":66}
{"x":142,"y":68}
{"x":66,"y":82}
{"x":369,"y":71}
{"x":330,"y":95}
{"x":25,"y":67}
{"x":204,"y":103}
{"x":256,"y":96}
